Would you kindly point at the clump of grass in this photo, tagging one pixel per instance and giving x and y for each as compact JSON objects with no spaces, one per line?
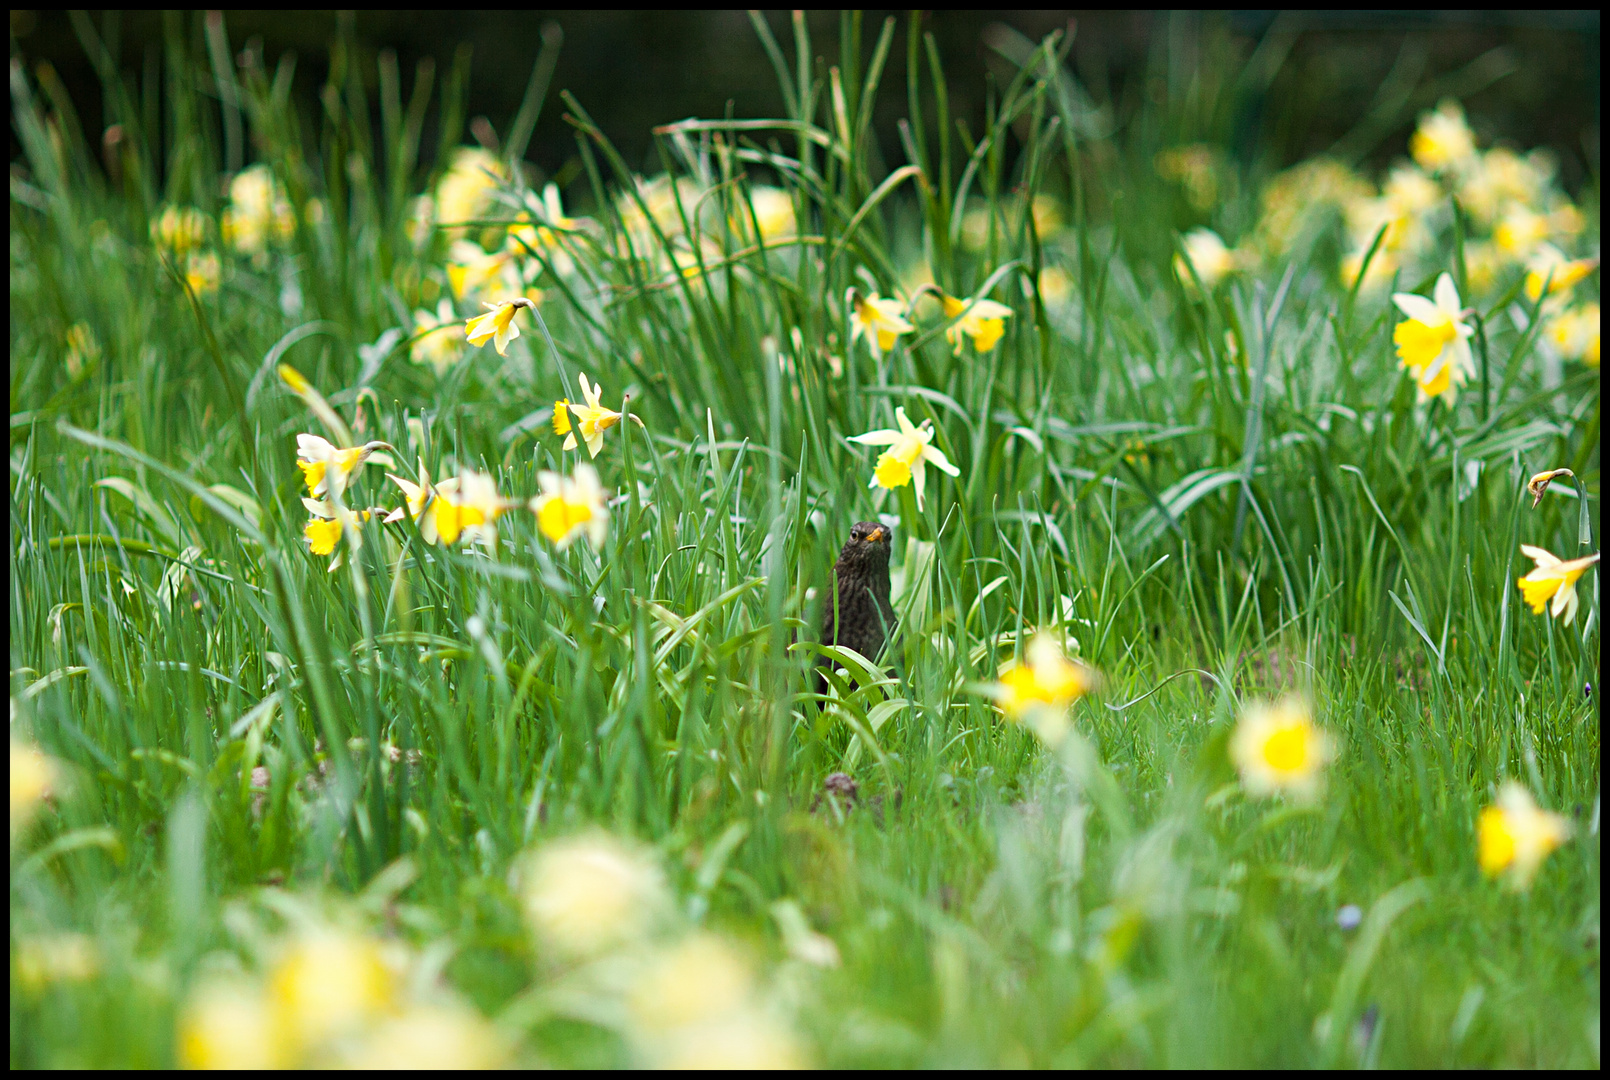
{"x":1209,"y":492}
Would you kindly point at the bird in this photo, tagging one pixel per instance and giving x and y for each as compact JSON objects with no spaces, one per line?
{"x":858,"y":614}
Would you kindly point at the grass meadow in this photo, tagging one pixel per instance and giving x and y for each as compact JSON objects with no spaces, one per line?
{"x":476,"y":797}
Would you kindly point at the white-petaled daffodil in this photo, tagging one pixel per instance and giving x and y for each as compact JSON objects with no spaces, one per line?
{"x":1552,"y":583}
{"x":464,"y":507}
{"x":879,"y":319}
{"x":1434,"y":341}
{"x":328,"y":521}
{"x":497,"y":325}
{"x":984,"y":321}
{"x":569,"y":506}
{"x":1515,"y":835}
{"x":910,"y":448}
{"x":591,"y":419}
{"x":326,"y":466}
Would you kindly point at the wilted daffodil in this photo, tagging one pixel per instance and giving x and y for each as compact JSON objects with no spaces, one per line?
{"x":1539,"y":483}
{"x":1278,"y":749}
{"x":909,"y":448}
{"x":983,"y":320}
{"x":464,"y":506}
{"x":880,"y":320}
{"x":1434,"y":341}
{"x":324,"y":528}
{"x":591,"y":419}
{"x":1207,"y":254}
{"x":570,"y":506}
{"x":1038,"y":689}
{"x":497,"y":325}
{"x":1514,"y":835}
{"x":1549,"y":264}
{"x":325,"y":465}
{"x":1443,"y":139}
{"x":1553,"y":580}
{"x":1576,"y":333}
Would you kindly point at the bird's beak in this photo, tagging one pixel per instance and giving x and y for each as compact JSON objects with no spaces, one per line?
{"x":875,"y":536}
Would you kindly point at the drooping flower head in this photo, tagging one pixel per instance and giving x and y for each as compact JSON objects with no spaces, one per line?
{"x":327,"y":467}
{"x":1553,"y":580}
{"x":1278,"y":750}
{"x":881,"y":321}
{"x":591,"y":419}
{"x":569,"y":506}
{"x":1514,"y":836}
{"x":909,"y":448}
{"x":1433,"y":343}
{"x":984,"y":321}
{"x":497,"y":325}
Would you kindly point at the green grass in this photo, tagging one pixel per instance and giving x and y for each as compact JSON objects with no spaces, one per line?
{"x":1271,"y":507}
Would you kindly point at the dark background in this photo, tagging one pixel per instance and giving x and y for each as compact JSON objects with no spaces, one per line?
{"x":1530,"y":78}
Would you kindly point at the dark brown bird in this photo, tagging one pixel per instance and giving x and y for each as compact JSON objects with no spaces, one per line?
{"x":857,"y":614}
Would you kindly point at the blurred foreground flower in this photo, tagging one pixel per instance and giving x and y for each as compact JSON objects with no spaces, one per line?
{"x":774,"y":210}
{"x":880,"y":320}
{"x":44,"y":959}
{"x":1204,"y":252}
{"x":1549,"y":264}
{"x":1277,"y":749}
{"x":571,"y":505}
{"x":228,"y":1025}
{"x":591,"y":419}
{"x":1434,"y":342}
{"x":464,"y":506}
{"x":32,"y":775}
{"x":434,"y":1036}
{"x":464,"y":192}
{"x":328,"y":983}
{"x":1443,"y":140}
{"x":909,"y":448}
{"x":1576,"y":333}
{"x":984,"y":321}
{"x":202,"y":272}
{"x":1514,"y":836}
{"x":588,"y":894}
{"x":327,"y":467}
{"x":497,"y":325}
{"x":1037,"y":690}
{"x":694,"y":1005}
{"x":1553,"y":579}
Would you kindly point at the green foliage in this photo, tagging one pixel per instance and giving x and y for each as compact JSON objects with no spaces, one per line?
{"x":1232,"y":485}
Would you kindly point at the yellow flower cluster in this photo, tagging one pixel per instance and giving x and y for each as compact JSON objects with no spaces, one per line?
{"x":258,"y":214}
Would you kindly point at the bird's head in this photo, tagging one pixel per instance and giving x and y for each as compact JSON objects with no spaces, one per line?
{"x":869,"y":544}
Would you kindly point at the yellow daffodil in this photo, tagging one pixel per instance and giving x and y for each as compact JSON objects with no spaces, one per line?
{"x":326,"y":984}
{"x":415,"y":496}
{"x":1553,"y":580}
{"x":570,"y":506}
{"x":909,"y":448}
{"x":1434,"y":341}
{"x":464,"y":193}
{"x":1443,"y":140}
{"x":228,"y":1025}
{"x":326,"y":525}
{"x":464,"y":506}
{"x":1549,"y":264}
{"x":258,"y":212}
{"x":1204,"y":252}
{"x":323,"y":464}
{"x":1038,"y":689}
{"x":202,"y":272}
{"x":984,"y":321}
{"x":1483,"y":263}
{"x":497,"y":325}
{"x":880,"y":320}
{"x":589,"y":894}
{"x":1409,"y":191}
{"x":591,"y":419}
{"x":1514,"y":836}
{"x":1520,"y":232}
{"x":1575,"y":333}
{"x":471,"y":270}
{"x":1278,"y":749}
{"x":1539,"y":483}
{"x":32,"y":776}
{"x":433,"y":344}
{"x":179,"y":229}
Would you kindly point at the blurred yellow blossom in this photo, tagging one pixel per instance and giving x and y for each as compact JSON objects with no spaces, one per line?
{"x":258,"y":212}
{"x":880,"y":320}
{"x":497,"y":325}
{"x":1383,"y":265}
{"x":202,"y":272}
{"x":1409,"y":191}
{"x":464,"y":507}
{"x":1483,"y":261}
{"x":1520,"y":231}
{"x":1548,"y":263}
{"x":1499,"y":179}
{"x":442,"y":1036}
{"x":774,"y":210}
{"x":1514,"y":835}
{"x":984,"y":321}
{"x":1038,"y":689}
{"x":433,"y":344}
{"x":32,"y":777}
{"x":1301,"y":194}
{"x":909,"y":448}
{"x":1575,"y":332}
{"x":327,"y":467}
{"x":1196,"y":169}
{"x":228,"y":1024}
{"x":591,"y":419}
{"x":83,"y":349}
{"x":1433,"y":343}
{"x":1204,"y":252}
{"x":588,"y":894}
{"x":464,"y":193}
{"x":1443,"y":140}
{"x":471,"y":270}
{"x":52,"y":958}
{"x":569,"y":506}
{"x":1278,"y":749}
{"x":1553,"y":579}
{"x":179,"y":229}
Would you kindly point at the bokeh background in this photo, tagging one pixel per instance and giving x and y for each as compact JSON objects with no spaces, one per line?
{"x":1349,"y":83}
